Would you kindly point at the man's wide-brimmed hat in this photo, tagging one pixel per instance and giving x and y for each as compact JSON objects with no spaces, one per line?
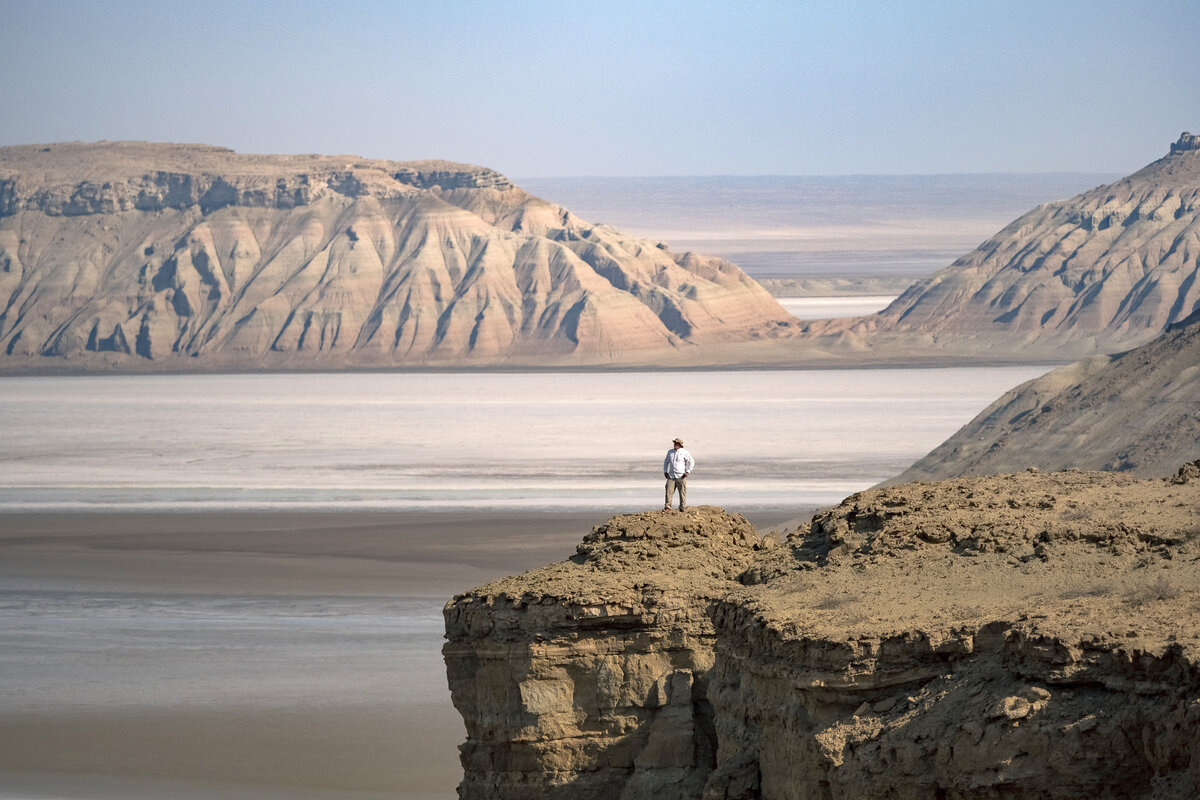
{"x":677,"y":440}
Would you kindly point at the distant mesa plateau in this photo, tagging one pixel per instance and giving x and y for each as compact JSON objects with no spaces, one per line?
{"x":133,"y":256}
{"x":1023,"y":635}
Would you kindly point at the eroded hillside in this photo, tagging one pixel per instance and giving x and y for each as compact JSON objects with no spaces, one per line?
{"x":152,"y":256}
{"x":1101,"y":272}
{"x":1136,"y":412}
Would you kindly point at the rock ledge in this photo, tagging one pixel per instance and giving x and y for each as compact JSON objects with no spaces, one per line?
{"x":1021,"y":635}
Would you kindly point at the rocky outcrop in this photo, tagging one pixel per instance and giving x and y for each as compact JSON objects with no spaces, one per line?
{"x":1019,"y":636}
{"x":1104,"y":271}
{"x":1136,"y":412}
{"x":590,"y":679}
{"x":151,"y":256}
{"x":1187,"y":141}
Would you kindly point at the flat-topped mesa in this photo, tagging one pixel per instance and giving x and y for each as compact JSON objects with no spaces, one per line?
{"x":75,"y":179}
{"x":161,"y":190}
{"x":1187,"y":141}
{"x":142,"y":256}
{"x":1028,"y":635}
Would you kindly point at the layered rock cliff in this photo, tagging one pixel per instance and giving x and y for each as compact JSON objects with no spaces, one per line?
{"x":135,"y":255}
{"x":1020,"y":636}
{"x":1136,"y":412}
{"x":588,"y":679}
{"x":1104,"y":271}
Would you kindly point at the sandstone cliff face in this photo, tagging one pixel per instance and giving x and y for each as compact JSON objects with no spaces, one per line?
{"x":1135,"y":412}
{"x":135,"y":255}
{"x":1107,"y":270}
{"x":590,"y":681}
{"x":1018,"y":636}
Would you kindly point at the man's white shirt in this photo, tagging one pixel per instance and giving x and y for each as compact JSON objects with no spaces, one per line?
{"x":678,"y":462}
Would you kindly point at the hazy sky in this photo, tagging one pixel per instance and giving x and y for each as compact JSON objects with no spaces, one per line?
{"x":615,"y":88}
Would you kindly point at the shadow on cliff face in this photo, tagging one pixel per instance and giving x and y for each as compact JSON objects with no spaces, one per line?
{"x":926,"y":640}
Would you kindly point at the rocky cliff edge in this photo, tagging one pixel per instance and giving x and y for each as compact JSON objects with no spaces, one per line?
{"x":1012,"y":636}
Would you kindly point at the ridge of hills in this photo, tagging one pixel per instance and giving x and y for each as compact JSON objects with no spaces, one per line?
{"x":1136,"y":411}
{"x":1101,"y":272}
{"x":135,"y":256}
{"x":131,"y":255}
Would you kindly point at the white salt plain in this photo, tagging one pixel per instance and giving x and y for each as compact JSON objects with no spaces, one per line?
{"x":834,"y":307}
{"x":472,"y":440}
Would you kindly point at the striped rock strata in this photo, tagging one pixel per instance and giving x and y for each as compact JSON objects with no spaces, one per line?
{"x":154,"y":256}
{"x":1101,"y":272}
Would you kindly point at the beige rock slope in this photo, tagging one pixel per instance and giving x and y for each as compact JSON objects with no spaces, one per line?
{"x":133,"y":256}
{"x":1104,"y":271}
{"x":1136,"y":412}
{"x":1030,"y":635}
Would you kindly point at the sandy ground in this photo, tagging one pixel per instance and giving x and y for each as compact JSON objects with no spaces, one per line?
{"x":101,"y":746}
{"x":143,"y":704}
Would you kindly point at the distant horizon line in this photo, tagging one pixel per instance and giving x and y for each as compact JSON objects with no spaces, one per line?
{"x":517,"y":177}
{"x":712,"y":176}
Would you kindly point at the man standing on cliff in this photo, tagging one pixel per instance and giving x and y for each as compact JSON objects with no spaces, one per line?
{"x":676,"y":466}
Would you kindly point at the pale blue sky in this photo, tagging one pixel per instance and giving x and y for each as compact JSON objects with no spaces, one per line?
{"x":616,"y":88}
